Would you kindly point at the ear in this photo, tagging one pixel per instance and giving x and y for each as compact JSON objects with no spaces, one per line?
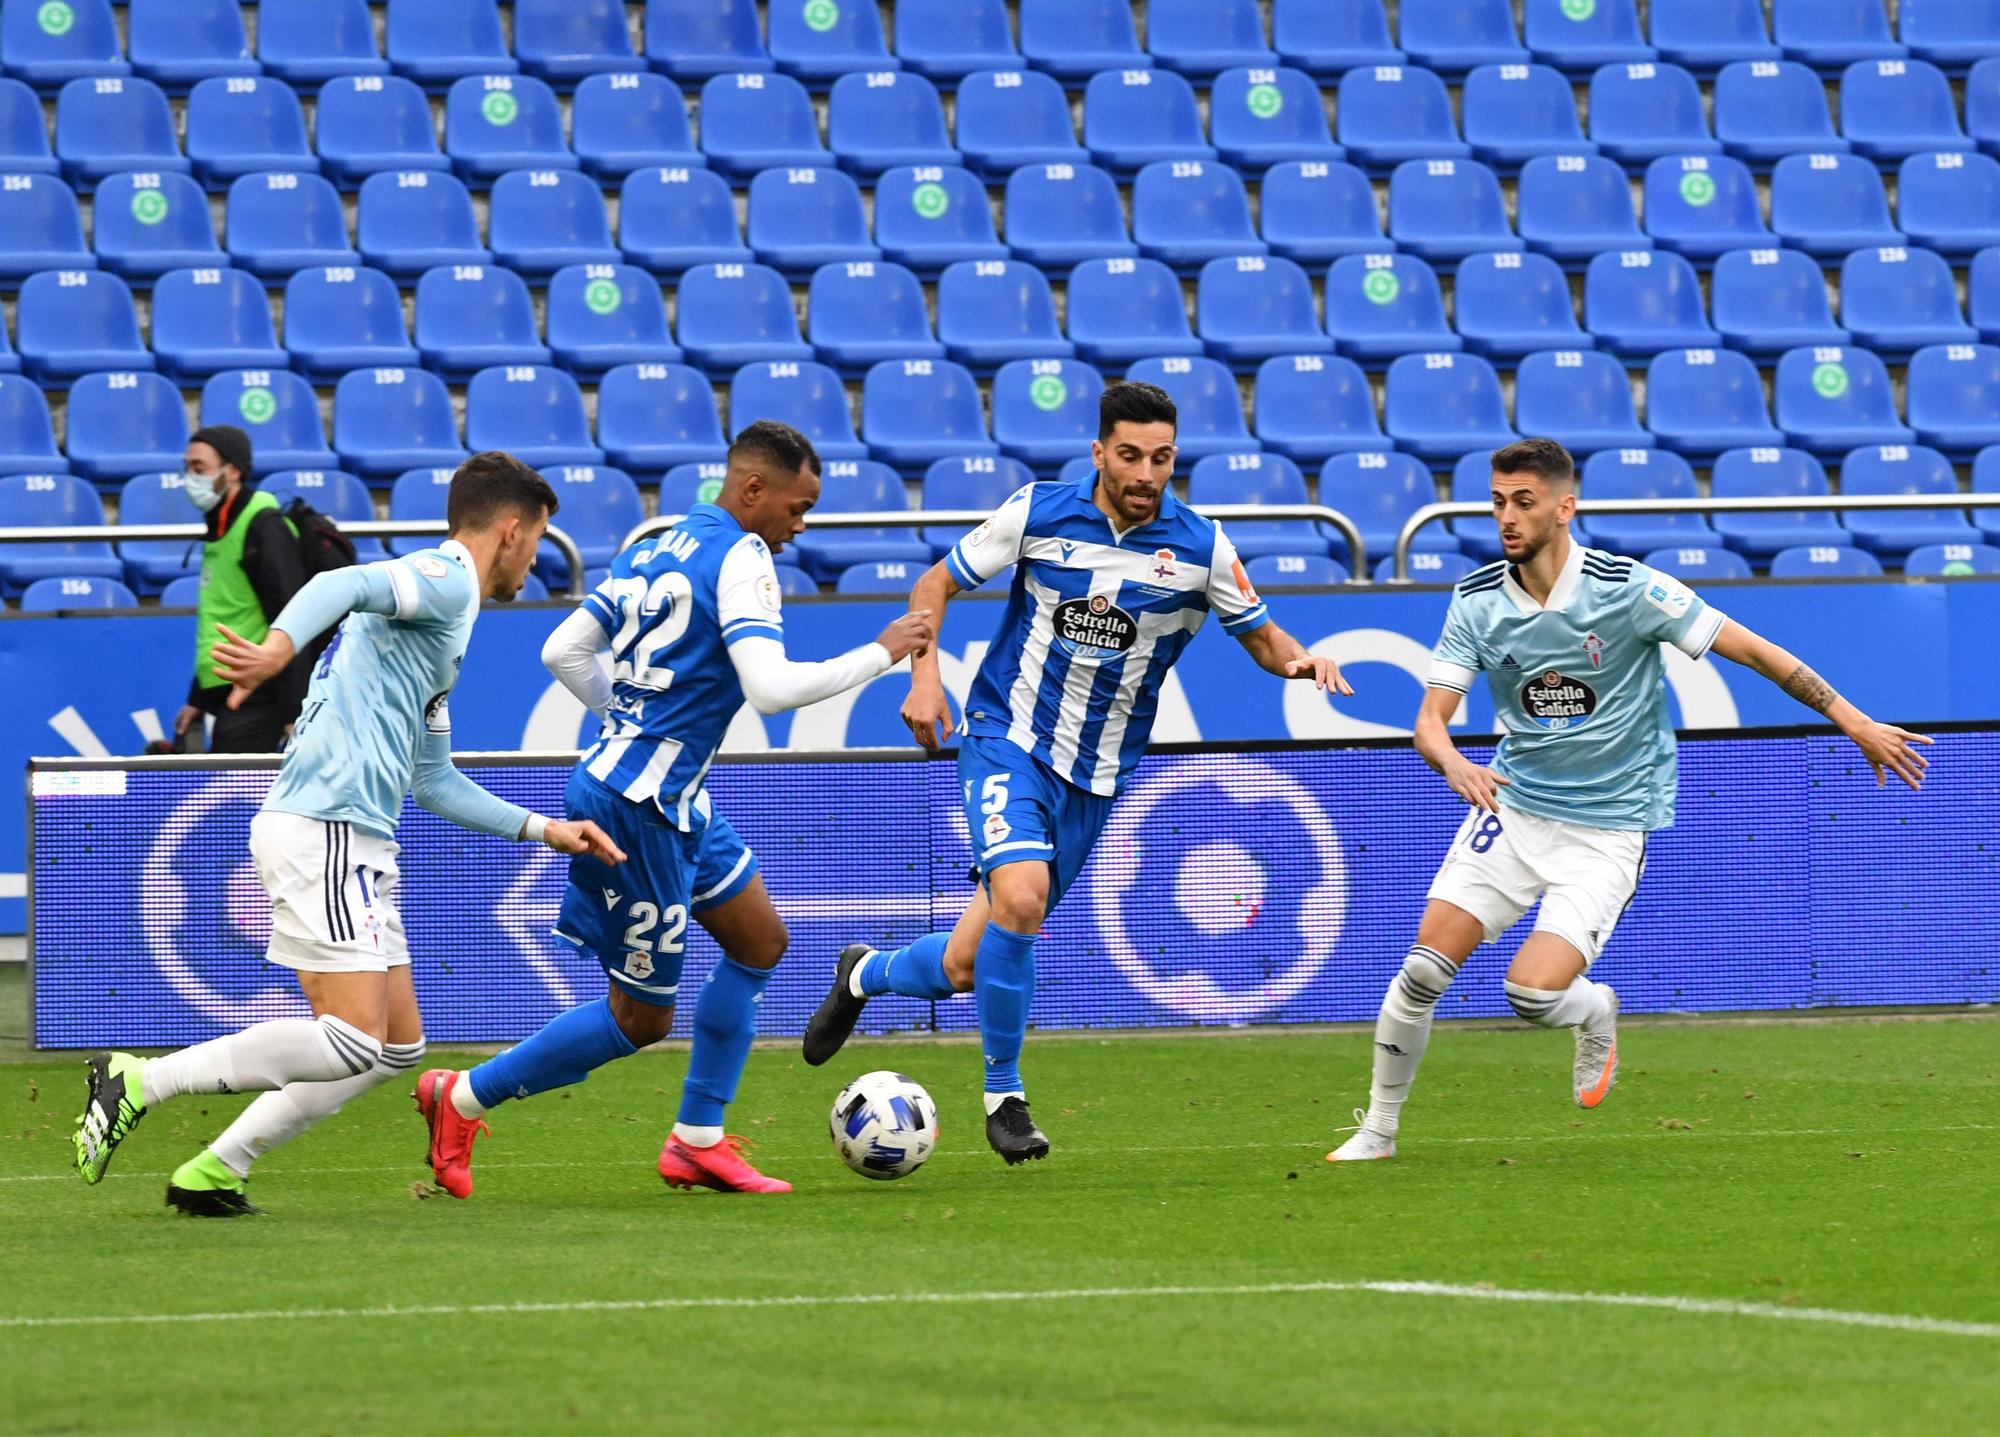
{"x":1097,"y":454}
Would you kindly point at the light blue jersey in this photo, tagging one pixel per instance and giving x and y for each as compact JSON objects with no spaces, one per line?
{"x":1579,"y":685}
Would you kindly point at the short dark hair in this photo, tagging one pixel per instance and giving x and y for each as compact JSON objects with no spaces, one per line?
{"x":777,"y":445}
{"x":491,"y":483}
{"x":1543,"y":458}
{"x":1132,"y":403}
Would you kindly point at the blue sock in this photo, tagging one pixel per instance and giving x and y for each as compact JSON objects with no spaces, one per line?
{"x":1003,"y":978}
{"x":915,"y":972}
{"x":725,"y":1020}
{"x":563,"y":1052}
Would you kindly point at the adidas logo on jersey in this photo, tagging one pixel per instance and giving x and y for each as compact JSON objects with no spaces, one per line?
{"x":1507,"y":662}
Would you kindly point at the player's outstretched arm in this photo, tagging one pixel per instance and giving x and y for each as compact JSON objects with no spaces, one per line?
{"x":1277,"y":652}
{"x":1477,"y":785}
{"x":1887,"y":748}
{"x":573,"y":654}
{"x":437,"y":785}
{"x":774,"y":683}
{"x":928,"y":710}
{"x":322,"y":603}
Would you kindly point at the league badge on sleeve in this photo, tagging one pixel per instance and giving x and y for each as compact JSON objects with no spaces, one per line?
{"x":430,"y":566}
{"x":1670,"y":596}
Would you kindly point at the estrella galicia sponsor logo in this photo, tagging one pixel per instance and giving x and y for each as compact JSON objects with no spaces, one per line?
{"x":1094,"y":628}
{"x":1557,"y":701}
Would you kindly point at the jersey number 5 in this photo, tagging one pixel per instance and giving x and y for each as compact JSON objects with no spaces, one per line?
{"x":992,"y":793}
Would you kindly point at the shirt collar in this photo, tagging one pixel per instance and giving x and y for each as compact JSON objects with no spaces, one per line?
{"x":1559,"y":596}
{"x":459,"y":552}
{"x":1086,"y":490}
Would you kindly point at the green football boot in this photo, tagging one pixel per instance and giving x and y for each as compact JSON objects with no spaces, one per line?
{"x":204,"y":1186}
{"x":111,"y":1109}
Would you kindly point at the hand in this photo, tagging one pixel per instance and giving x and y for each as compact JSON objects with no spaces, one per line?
{"x":1888,"y":750}
{"x":928,"y":713}
{"x":246,"y":665}
{"x":582,"y":836}
{"x":1322,"y":671}
{"x":186,"y":719}
{"x":911,"y":634}
{"x":1478,"y":786}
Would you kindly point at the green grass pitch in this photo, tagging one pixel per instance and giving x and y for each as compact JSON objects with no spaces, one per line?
{"x":1812,"y":1169}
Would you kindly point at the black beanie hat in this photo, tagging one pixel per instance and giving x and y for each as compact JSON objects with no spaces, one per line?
{"x":228,"y":441}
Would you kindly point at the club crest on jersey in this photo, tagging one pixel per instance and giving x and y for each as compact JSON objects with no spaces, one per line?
{"x":996,"y":829}
{"x":1594,"y":646}
{"x":639,"y":965}
{"x":1558,"y":701}
{"x":1163,"y":564}
{"x":1094,"y":628}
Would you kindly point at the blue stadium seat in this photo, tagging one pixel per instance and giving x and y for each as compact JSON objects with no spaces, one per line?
{"x":1317,"y":210}
{"x":1832,"y":398}
{"x":819,"y":42}
{"x":599,"y":505}
{"x":311,"y":41}
{"x":883,"y":119}
{"x":1391,"y":113}
{"x":1901,"y":469}
{"x":74,"y":592}
{"x":1643,"y":474}
{"x":152,"y":564}
{"x":1509,"y":304}
{"x":415,"y":220}
{"x":1254,"y":307}
{"x":342,"y":317}
{"x":859,"y":315}
{"x":1310,"y":406}
{"x":1448,"y":209}
{"x":851,"y":486}
{"x":805,"y":395}
{"x":1703,"y":205}
{"x":1926,"y":561}
{"x":1954,"y":397}
{"x":41,"y":227}
{"x":1515,"y":112}
{"x":1830,"y":35}
{"x":1453,"y":36}
{"x":280,"y":223}
{"x":79,"y":41}
{"x":1982,"y":104}
{"x":1983,"y":290}
{"x":28,"y":435}
{"x":277,"y":409}
{"x":123,"y":422}
{"x":565,"y":41}
{"x":118,"y":123}
{"x":1074,"y":39}
{"x":672,"y":219}
{"x":147,"y":223}
{"x":417,"y":495}
{"x":952,"y":39}
{"x":1575,"y":207}
{"x":917,"y":411}
{"x":1895,"y":300}
{"x":364,"y":124}
{"x":1766,"y":301}
{"x":731,"y":315}
{"x":1134,"y":118}
{"x":1891,"y":109}
{"x":344,"y":499}
{"x":1986,"y":480}
{"x":1441,"y":405}
{"x":1576,"y":39}
{"x":801,"y":219}
{"x":531,"y":411}
{"x":1379,"y":492}
{"x":1263,"y":117}
{"x":473,"y":316}
{"x":993,"y":311}
{"x":1202,"y":38}
{"x":1188,"y":212}
{"x":1705,"y":35}
{"x":1126,"y":309}
{"x":1768,"y":471}
{"x":52,"y":500}
{"x":978,"y":482}
{"x":1819,"y":561}
{"x":10,"y":362}
{"x":1426,"y":568}
{"x":1379,"y":306}
{"x":793,"y":582}
{"x":1950,"y":33}
{"x":889,"y":576}
{"x":537,"y":221}
{"x":1700,"y":564}
{"x":1950,"y":202}
{"x":1701,"y":401}
{"x":205,"y":320}
{"x":1211,"y":407}
{"x":244,"y":125}
{"x":1011,"y":118}
{"x":1830,"y":204}
{"x":1641,"y":111}
{"x":74,"y":322}
{"x":1063,"y":214}
{"x":930,"y":216}
{"x":435,"y":42}
{"x":497,"y":123}
{"x":694,"y":39}
{"x":1044,"y":410}
{"x":1581,"y":397}
{"x":1274,"y":571}
{"x":600,"y":316}
{"x":24,"y":135}
{"x":1265,"y":480}
{"x":686,"y":485}
{"x":391,"y":419}
{"x":627,"y":121}
{"x":754,"y":121}
{"x":1767,"y":109}
{"x":1326,"y":37}
{"x":651,"y":417}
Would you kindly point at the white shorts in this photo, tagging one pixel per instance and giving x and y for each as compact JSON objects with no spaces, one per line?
{"x":1584,"y":877}
{"x":333,"y":894}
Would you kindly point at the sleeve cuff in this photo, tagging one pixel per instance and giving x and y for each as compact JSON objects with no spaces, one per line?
{"x":1700,"y":636}
{"x":1246,"y":621}
{"x":1447,"y":675}
{"x":752,"y":629}
{"x":404,"y":585}
{"x":961,"y":575}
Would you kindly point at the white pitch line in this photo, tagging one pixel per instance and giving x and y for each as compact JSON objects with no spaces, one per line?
{"x":1711,"y":1307}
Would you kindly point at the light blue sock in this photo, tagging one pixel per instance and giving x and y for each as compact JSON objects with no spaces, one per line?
{"x":725,"y":1020}
{"x":915,"y":972}
{"x":563,"y":1052}
{"x":1003,"y":978}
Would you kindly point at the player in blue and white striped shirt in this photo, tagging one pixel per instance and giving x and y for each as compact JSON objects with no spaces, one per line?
{"x":1112,"y":577}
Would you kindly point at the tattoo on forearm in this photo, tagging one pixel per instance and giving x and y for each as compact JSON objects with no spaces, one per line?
{"x":1810,"y":689}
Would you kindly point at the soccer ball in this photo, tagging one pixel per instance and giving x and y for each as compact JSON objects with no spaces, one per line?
{"x":884,"y":1125}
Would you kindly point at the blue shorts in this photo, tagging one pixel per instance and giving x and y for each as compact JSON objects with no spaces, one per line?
{"x":1017,"y":811}
{"x":633,"y":918}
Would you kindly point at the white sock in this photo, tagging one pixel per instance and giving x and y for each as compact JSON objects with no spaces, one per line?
{"x":278,"y":1117}
{"x":994,"y":1100}
{"x":1402,"y":1032}
{"x":1582,"y":1002}
{"x":697,"y":1137}
{"x":463,"y":1101}
{"x":263,"y":1057}
{"x":854,"y":978}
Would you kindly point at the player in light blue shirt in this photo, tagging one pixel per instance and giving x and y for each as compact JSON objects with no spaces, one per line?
{"x":376,"y":726}
{"x":1570,"y":640}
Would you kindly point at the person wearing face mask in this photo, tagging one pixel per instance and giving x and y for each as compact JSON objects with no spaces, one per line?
{"x":250,"y":569}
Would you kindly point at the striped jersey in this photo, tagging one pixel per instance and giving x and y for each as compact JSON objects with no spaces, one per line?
{"x":1579,"y":684}
{"x":1094,"y":620}
{"x":672,"y":605}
